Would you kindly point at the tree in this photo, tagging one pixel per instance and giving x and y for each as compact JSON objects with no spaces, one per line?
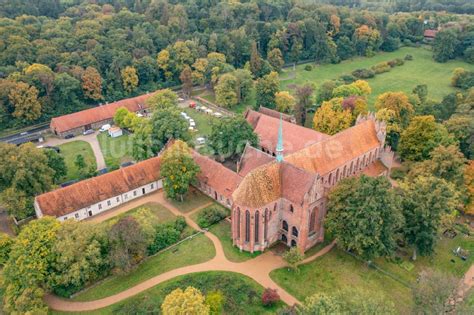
{"x":270,"y":297}
{"x":244,"y":84}
{"x":80,"y":163}
{"x":424,"y":201}
{"x":178,"y":170}
{"x":120,"y":115}
{"x":331,"y":118}
{"x":461,"y":128}
{"x":266,"y":88}
{"x":142,"y":141}
{"x":6,"y":243}
{"x":25,"y":101}
{"x":225,"y":89}
{"x":275,"y":58}
{"x":432,"y":291}
{"x":444,"y":45}
{"x":92,"y":84}
{"x":163,"y":60}
{"x":293,"y":256}
{"x":255,"y":61}
{"x":57,"y":164}
{"x":421,"y":90}
{"x":215,"y":301}
{"x":326,"y":91}
{"x":230,"y":135}
{"x":27,"y":270}
{"x":364,"y":215}
{"x":285,"y":102}
{"x":127,"y":245}
{"x":79,"y":256}
{"x":304,"y":99}
{"x":421,"y":137}
{"x":186,"y":78}
{"x":399,"y":103}
{"x":189,"y":301}
{"x":469,"y":183}
{"x":167,"y":124}
{"x":163,"y":99}
{"x":129,"y":78}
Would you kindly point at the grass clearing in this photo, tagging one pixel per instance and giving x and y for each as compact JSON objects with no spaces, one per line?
{"x":72,"y":149}
{"x":337,"y":270}
{"x":223,"y":232}
{"x":115,"y":150}
{"x":193,"y":199}
{"x":242,"y":295}
{"x":194,"y":251}
{"x":160,"y":212}
{"x":421,"y":70}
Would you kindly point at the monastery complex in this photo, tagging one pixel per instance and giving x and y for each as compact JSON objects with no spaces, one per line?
{"x":278,"y":192}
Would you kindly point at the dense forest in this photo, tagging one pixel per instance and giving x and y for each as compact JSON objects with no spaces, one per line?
{"x":58,"y":57}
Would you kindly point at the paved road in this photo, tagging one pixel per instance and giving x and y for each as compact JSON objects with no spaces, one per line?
{"x":91,"y":139}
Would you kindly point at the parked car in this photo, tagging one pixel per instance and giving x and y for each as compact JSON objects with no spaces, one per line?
{"x":125,"y":164}
{"x":105,"y":127}
{"x":200,"y":140}
{"x":218,"y":115}
{"x":88,"y":132}
{"x":192,"y":104}
{"x":69,"y":183}
{"x":24,"y":133}
{"x":102,"y":171}
{"x":69,"y":136}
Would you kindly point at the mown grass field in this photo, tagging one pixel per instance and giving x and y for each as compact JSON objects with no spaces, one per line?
{"x":72,"y":149}
{"x":193,"y":199}
{"x":115,"y":150}
{"x":337,"y":270}
{"x":197,"y":250}
{"x":242,"y":295}
{"x":160,"y":213}
{"x":421,"y":70}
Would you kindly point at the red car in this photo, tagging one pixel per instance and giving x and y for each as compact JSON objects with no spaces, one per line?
{"x":192,"y":104}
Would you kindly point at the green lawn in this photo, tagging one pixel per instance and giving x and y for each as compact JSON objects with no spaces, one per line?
{"x":197,"y":250}
{"x":337,"y":270}
{"x":242,"y":295}
{"x":193,"y":199}
{"x":70,"y":150}
{"x":203,"y":122}
{"x":421,"y":70}
{"x":160,"y":212}
{"x":195,"y":215}
{"x":223,"y":232}
{"x":115,"y":150}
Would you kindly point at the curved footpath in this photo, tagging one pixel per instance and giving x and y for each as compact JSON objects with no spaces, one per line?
{"x":258,"y":268}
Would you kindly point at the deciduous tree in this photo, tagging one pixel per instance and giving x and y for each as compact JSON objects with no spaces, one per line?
{"x":364,"y":215}
{"x":285,"y":102}
{"x":275,"y":58}
{"x":129,"y":78}
{"x":167,"y":124}
{"x":293,"y":256}
{"x":331,"y":118}
{"x":186,"y":78}
{"x":189,"y":301}
{"x":162,"y":99}
{"x":421,"y":137}
{"x":92,"y":84}
{"x":304,"y":98}
{"x":24,"y":99}
{"x":178,"y":170}
{"x":444,"y":45}
{"x":225,"y":89}
{"x":57,"y":164}
{"x":399,"y":103}
{"x":266,"y":88}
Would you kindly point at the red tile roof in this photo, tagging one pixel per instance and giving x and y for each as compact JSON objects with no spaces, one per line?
{"x":275,"y":114}
{"x":329,"y":154}
{"x":69,"y":199}
{"x":295,"y":137}
{"x":97,"y":114}
{"x":430,"y":33}
{"x":216,"y":175}
{"x":253,"y":158}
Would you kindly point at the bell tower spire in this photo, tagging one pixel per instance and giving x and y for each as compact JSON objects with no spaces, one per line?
{"x":279,"y":147}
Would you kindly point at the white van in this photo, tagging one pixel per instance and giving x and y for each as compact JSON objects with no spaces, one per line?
{"x":200,"y":140}
{"x":104,"y":128}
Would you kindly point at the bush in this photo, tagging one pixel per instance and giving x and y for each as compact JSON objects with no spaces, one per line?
{"x":308,"y":67}
{"x":347,"y":78}
{"x":398,"y":173}
{"x":270,"y":297}
{"x":6,"y":243}
{"x":210,"y":216}
{"x":363,"y":73}
{"x":167,"y":234}
{"x":396,"y":62}
{"x":381,"y":67}
{"x":180,"y":223}
{"x":408,"y":57}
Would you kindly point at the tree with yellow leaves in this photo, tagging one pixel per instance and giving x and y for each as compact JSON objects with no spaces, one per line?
{"x":331,"y":118}
{"x":189,"y":301}
{"x":285,"y":102}
{"x":129,"y":78}
{"x":92,"y":84}
{"x":163,"y":60}
{"x":399,"y":103}
{"x":178,"y":170}
{"x":469,"y":182}
{"x":25,"y":101}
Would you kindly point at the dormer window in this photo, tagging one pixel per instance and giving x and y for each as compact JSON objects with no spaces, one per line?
{"x":292,"y":209}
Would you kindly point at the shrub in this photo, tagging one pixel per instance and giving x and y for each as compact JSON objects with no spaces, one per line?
{"x":381,"y":67}
{"x":347,"y":78}
{"x":210,"y":216}
{"x":399,"y":61}
{"x":308,"y":67}
{"x":215,"y":301}
{"x":398,"y":173}
{"x":180,"y":223}
{"x":363,"y":73}
{"x":166,"y":235}
{"x":6,"y":243}
{"x":270,"y":297}
{"x":408,"y":57}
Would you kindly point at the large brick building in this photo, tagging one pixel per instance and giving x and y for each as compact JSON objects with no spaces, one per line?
{"x":279,"y":191}
{"x":94,"y":118}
